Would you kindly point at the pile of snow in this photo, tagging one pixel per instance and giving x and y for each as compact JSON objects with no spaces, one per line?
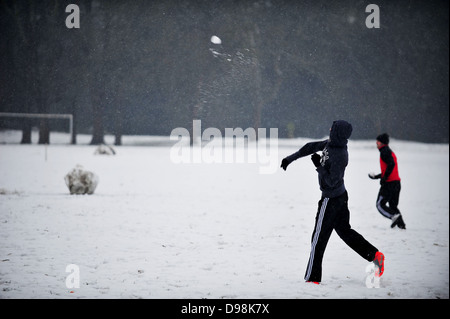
{"x":81,"y":181}
{"x":104,"y":150}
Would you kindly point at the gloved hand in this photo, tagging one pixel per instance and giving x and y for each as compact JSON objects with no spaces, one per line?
{"x":315,"y":158}
{"x":373,"y":176}
{"x":284,"y":163}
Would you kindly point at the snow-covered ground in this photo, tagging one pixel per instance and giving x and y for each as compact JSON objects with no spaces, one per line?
{"x":157,"y":229}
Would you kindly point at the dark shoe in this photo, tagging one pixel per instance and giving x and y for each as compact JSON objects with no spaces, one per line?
{"x":395,"y":220}
{"x":401,"y":223}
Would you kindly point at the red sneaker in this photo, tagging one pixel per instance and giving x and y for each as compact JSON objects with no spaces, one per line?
{"x":314,"y":282}
{"x":379,"y":263}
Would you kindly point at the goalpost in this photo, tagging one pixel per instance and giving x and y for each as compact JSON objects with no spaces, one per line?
{"x":43,"y":116}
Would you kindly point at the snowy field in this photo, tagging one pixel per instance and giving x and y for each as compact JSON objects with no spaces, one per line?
{"x":157,"y":229}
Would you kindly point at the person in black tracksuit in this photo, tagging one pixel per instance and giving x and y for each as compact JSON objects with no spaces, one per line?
{"x":333,"y":210}
{"x":388,"y":196}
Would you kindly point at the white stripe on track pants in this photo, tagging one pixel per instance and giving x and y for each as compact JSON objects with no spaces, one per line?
{"x":332,"y":214}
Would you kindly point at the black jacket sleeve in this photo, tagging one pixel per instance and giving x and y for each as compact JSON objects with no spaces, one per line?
{"x":306,"y":150}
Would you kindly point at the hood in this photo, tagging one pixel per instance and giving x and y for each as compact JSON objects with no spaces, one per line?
{"x":340,"y":133}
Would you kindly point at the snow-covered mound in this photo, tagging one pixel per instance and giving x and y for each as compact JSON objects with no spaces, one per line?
{"x":81,"y":181}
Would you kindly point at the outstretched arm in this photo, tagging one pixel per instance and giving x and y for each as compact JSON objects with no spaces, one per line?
{"x":307,"y":149}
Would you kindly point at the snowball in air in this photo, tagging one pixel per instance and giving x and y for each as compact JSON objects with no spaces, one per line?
{"x":216,"y":40}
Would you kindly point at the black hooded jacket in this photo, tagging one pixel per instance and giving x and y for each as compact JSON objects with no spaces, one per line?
{"x":333,"y":161}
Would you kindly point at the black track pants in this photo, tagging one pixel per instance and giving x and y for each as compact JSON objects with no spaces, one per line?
{"x":389,"y":194}
{"x":332,"y":214}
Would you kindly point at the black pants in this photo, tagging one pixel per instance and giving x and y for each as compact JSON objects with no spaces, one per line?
{"x":332,"y":214}
{"x":387,"y":200}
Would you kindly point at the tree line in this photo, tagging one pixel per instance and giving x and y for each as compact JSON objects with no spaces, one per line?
{"x":146,"y":67}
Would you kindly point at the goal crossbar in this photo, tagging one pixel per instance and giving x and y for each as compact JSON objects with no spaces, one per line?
{"x":42,"y":116}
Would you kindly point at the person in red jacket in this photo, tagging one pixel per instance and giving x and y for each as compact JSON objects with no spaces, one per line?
{"x":388,"y":196}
